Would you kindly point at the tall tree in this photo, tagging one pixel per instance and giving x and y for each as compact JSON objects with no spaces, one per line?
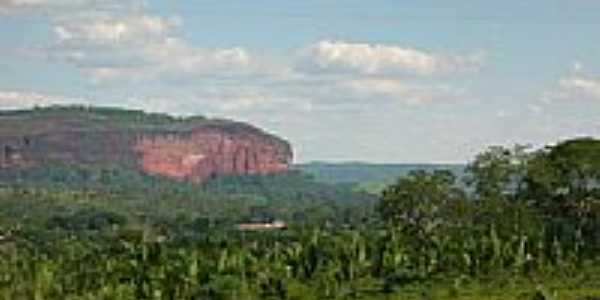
{"x":498,"y":172}
{"x":419,"y":198}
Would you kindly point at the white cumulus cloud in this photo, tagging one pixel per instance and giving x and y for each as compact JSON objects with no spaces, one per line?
{"x":138,"y":47}
{"x":122,"y":41}
{"x":172,"y":57}
{"x":129,"y":29}
{"x":581,"y":86}
{"x":372,"y":59}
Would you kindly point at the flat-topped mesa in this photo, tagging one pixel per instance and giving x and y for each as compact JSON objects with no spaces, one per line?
{"x":206,"y":152}
{"x":191,"y":149}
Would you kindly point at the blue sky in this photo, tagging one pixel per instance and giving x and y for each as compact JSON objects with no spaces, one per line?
{"x":378,"y":81}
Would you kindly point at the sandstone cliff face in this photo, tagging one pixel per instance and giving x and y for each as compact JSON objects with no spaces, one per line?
{"x":185,"y":151}
{"x":206,"y":153}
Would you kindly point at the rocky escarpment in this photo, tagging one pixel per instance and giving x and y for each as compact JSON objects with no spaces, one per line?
{"x":192,"y":149}
{"x":205,"y":152}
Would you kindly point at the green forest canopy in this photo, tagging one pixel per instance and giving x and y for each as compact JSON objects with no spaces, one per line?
{"x":528,"y":227}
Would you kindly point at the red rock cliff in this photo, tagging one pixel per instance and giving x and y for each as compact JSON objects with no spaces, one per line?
{"x":182,"y":149}
{"x":206,"y":153}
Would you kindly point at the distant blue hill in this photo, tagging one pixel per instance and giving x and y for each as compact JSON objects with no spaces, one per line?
{"x":359,"y":172}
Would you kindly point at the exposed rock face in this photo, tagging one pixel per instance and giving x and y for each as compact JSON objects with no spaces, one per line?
{"x":205,"y":153}
{"x":180,"y":149}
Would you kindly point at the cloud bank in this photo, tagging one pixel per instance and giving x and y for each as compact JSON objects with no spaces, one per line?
{"x":377,"y":59}
{"x":578,"y":86}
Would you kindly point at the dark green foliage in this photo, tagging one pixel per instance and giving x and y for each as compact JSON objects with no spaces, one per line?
{"x":87,"y":219}
{"x":419,"y":198}
{"x":528,"y":219}
{"x":354,"y":173}
{"x":498,"y":172}
{"x":568,"y":170}
{"x":91,"y":122}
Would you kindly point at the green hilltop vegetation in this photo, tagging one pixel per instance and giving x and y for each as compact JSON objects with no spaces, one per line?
{"x":95,"y":118}
{"x":60,"y":137}
{"x":356,"y":172}
{"x":369,"y":177}
{"x":515,"y":223}
{"x":95,"y":113}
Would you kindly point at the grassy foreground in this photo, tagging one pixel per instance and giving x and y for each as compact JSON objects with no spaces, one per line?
{"x":530,"y":289}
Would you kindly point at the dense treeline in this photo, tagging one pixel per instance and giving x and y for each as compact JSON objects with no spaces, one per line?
{"x":524,"y":225}
{"x":68,"y":192}
{"x":357,"y":172}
